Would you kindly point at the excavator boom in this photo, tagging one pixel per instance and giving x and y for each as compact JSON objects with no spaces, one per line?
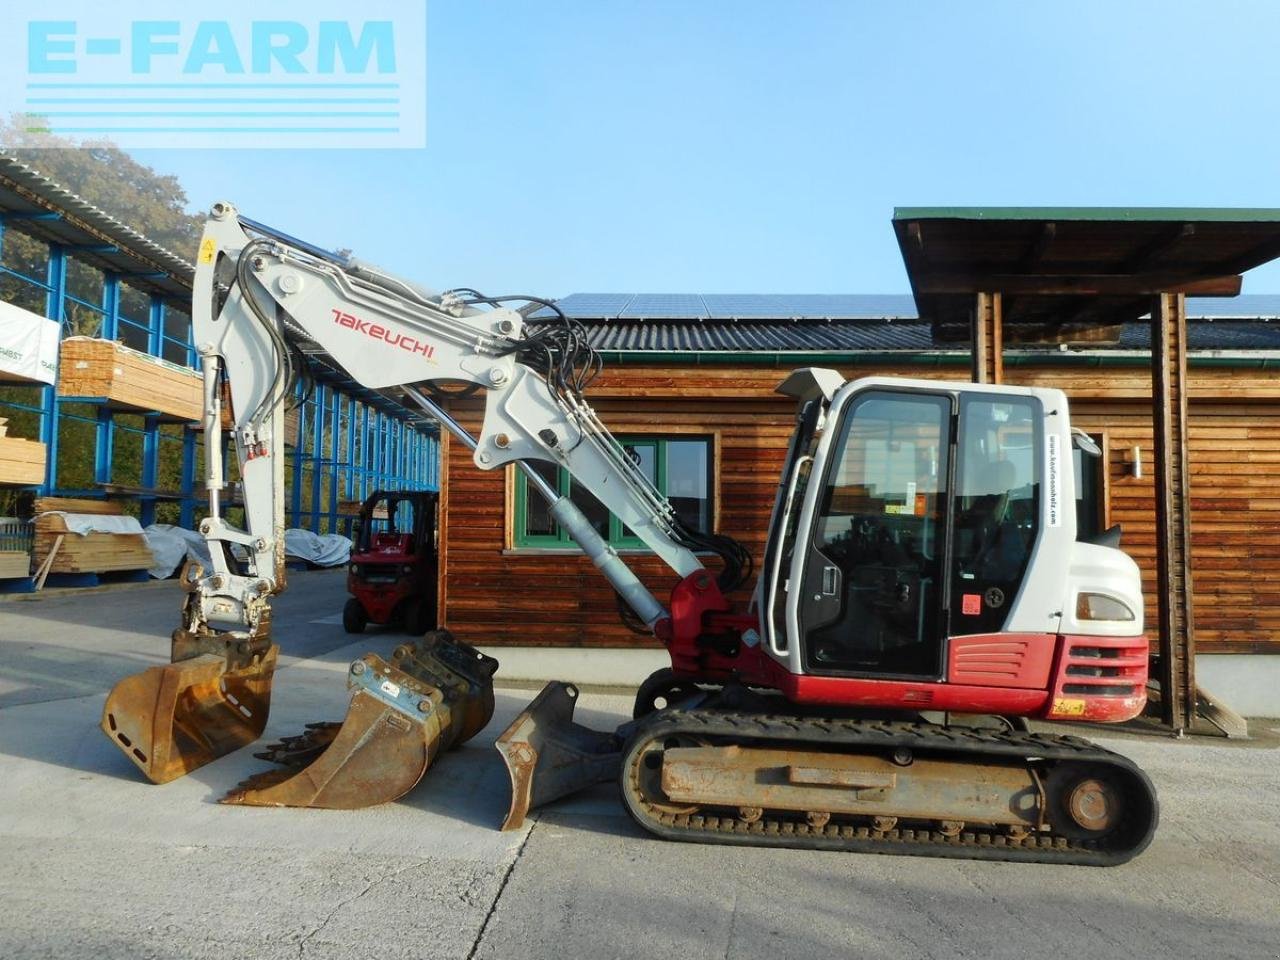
{"x":266,"y":309}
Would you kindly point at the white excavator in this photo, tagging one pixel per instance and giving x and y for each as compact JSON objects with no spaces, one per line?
{"x":922,"y":571}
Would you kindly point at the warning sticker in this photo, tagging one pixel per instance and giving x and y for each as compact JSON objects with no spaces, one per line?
{"x":207,"y":249}
{"x":971,"y":604}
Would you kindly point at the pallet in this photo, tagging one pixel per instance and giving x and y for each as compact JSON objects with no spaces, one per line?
{"x":91,"y":553}
{"x":105,"y":370}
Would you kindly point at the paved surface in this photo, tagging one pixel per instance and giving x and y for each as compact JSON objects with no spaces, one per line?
{"x":95,"y":863}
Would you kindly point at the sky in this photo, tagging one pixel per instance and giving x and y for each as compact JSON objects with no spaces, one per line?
{"x":732,"y":146}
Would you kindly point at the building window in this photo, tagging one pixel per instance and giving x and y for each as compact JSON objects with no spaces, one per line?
{"x":680,"y":467}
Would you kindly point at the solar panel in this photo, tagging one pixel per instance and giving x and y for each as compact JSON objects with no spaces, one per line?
{"x":723,"y":306}
{"x":816,"y":306}
{"x":1248,"y":305}
{"x":680,"y":306}
{"x":589,"y":306}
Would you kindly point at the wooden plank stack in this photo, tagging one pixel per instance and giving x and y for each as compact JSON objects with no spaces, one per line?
{"x":21,"y":461}
{"x":101,"y":368}
{"x":15,"y":548}
{"x":14,"y":563}
{"x":90,"y":553}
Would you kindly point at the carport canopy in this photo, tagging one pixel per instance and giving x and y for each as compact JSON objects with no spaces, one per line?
{"x":1074,"y":273}
{"x":1069,"y":274}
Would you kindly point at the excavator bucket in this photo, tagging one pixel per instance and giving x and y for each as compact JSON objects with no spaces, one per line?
{"x":172,"y":719}
{"x":431,"y":696}
{"x":548,"y":756}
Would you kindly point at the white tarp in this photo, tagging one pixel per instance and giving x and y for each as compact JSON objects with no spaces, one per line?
{"x":327,"y":550}
{"x":28,"y":344}
{"x":172,"y":545}
{"x":86,"y":523}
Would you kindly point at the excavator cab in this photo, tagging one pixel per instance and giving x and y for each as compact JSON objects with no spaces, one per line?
{"x":917,"y":533}
{"x":922,"y":557}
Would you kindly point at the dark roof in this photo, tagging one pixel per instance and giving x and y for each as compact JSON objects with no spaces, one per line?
{"x":858,"y":323}
{"x":1074,"y":269}
{"x":40,"y":207}
{"x":732,"y":306}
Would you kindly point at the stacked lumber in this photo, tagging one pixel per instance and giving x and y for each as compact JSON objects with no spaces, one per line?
{"x":15,"y":548}
{"x":21,"y":461}
{"x":87,"y":553}
{"x":14,"y":563}
{"x":101,"y":368}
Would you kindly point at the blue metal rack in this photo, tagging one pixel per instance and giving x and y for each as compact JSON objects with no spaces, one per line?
{"x":350,"y":441}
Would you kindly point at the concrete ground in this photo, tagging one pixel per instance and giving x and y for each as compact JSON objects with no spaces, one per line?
{"x":96,"y":863}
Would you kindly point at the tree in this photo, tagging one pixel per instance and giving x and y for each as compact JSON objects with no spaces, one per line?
{"x":152,"y":203}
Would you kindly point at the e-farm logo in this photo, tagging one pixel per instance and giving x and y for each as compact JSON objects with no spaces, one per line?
{"x":282,"y":74}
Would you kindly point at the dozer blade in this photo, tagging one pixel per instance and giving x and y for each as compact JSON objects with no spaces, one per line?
{"x":172,"y":719}
{"x":431,"y":696}
{"x":548,"y":756}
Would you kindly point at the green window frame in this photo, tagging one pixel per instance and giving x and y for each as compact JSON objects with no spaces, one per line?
{"x":667,"y":461}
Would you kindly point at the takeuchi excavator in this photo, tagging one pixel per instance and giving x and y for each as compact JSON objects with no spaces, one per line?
{"x":922,"y":595}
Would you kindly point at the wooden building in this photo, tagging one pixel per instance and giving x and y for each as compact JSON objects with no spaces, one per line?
{"x":689,"y":386}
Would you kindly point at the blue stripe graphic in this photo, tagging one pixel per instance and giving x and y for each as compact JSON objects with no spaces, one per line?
{"x":224,"y":113}
{"x":213,"y":130}
{"x":299,"y":100}
{"x":277,"y":85}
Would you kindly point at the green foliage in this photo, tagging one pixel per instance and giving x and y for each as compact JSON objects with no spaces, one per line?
{"x":152,"y":203}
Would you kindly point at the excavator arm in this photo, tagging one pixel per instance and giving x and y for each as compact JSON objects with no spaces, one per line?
{"x":267,"y":306}
{"x":267,"y":310}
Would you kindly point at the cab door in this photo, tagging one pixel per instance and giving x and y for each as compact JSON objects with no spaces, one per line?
{"x":873,"y":597}
{"x":781,"y":545}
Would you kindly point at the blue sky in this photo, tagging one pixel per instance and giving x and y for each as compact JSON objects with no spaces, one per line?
{"x":729,"y":146}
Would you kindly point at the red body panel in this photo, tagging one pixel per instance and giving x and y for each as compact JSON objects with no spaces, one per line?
{"x":1001,"y":660}
{"x":1046,"y":676}
{"x":913,"y":695}
{"x":1102,"y":679}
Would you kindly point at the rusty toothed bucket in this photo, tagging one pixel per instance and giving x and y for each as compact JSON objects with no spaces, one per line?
{"x":431,"y":696}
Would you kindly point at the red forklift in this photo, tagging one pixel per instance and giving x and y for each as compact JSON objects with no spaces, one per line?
{"x":392,"y":576}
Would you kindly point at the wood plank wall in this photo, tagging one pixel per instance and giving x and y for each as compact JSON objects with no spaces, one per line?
{"x":494,"y":594}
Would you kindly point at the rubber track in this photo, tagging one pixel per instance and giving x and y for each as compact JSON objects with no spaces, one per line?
{"x":722,"y":727}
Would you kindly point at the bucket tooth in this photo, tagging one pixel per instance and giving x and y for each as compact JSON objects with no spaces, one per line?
{"x":548,"y":756}
{"x":431,"y":696}
{"x":172,"y":719}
